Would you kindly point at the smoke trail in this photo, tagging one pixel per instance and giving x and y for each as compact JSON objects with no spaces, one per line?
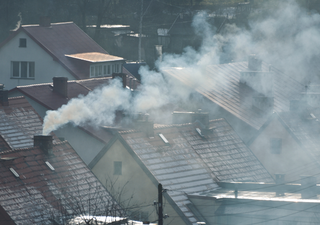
{"x":287,"y":37}
{"x":97,"y":107}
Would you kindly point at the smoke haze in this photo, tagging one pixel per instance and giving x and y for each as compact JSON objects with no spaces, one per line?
{"x":287,"y":37}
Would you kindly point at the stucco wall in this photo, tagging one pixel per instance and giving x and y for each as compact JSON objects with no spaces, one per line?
{"x":45,"y":67}
{"x":292,"y":161}
{"x":133,"y":182}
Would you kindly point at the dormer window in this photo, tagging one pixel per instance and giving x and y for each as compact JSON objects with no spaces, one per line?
{"x":104,"y":69}
{"x":22,"y":42}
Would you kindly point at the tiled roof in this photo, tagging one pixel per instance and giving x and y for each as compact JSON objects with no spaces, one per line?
{"x":63,"y":38}
{"x":191,"y":163}
{"x":19,"y":122}
{"x":44,"y":94}
{"x":222,"y":86}
{"x":40,"y":192}
{"x":95,"y":57}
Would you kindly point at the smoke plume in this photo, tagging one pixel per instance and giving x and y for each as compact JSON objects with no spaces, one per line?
{"x":286,"y":37}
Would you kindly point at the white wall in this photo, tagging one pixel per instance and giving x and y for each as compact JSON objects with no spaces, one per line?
{"x":45,"y":67}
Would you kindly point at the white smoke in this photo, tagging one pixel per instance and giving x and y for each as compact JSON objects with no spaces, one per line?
{"x":96,"y":108}
{"x":287,"y":38}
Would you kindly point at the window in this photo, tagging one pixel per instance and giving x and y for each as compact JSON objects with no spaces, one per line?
{"x":109,"y":69}
{"x":22,"y":42}
{"x":117,"y":168}
{"x":276,"y":145}
{"x":22,"y":69}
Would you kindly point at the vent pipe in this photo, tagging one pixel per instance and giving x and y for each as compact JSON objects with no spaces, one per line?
{"x":60,"y":86}
{"x":279,"y":183}
{"x":44,"y":142}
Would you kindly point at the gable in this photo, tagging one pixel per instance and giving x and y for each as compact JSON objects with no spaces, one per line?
{"x":45,"y":67}
{"x":134,"y":181}
{"x":292,"y":160}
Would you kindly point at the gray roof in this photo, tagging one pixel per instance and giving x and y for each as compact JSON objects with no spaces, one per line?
{"x":222,"y":86}
{"x":191,"y":163}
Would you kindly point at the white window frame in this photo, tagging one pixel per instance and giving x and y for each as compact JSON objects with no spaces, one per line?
{"x":28,"y":76}
{"x":104,"y":69}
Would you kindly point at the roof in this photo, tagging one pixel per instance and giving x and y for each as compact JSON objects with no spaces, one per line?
{"x":190,"y":163}
{"x":44,"y":94}
{"x":95,"y":57}
{"x":305,"y":129}
{"x":221,"y":85}
{"x":39,"y":193}
{"x":62,"y":39}
{"x":19,"y":122}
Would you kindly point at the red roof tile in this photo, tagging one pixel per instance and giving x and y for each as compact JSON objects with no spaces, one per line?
{"x":39,"y":193}
{"x":19,"y":122}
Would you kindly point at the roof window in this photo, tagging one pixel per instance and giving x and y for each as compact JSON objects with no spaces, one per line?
{"x":164,"y":139}
{"x":14,"y":172}
{"x":49,"y":165}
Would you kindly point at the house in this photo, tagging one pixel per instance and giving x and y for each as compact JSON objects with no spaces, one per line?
{"x":48,"y":183}
{"x":244,"y":93}
{"x":184,"y":158}
{"x":35,"y":54}
{"x":51,"y":96}
{"x":253,"y":203}
{"x":290,"y":142}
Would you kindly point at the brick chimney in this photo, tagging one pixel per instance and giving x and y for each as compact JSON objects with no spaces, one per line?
{"x":44,"y":142}
{"x":60,"y":86}
{"x":279,"y":182}
{"x":4,"y":97}
{"x":45,"y":21}
{"x":143,"y":124}
{"x":123,"y":78}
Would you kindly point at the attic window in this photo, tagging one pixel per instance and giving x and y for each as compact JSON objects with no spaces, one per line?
{"x":49,"y":165}
{"x":22,"y":42}
{"x":164,"y":139}
{"x":14,"y":172}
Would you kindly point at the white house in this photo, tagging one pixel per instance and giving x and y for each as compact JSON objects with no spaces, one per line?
{"x":36,"y":53}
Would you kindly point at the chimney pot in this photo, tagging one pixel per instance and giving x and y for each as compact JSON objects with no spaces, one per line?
{"x":44,"y":142}
{"x":60,"y":85}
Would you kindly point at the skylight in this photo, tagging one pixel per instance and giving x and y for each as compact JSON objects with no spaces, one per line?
{"x":49,"y":165}
{"x":164,"y":138}
{"x":14,"y":172}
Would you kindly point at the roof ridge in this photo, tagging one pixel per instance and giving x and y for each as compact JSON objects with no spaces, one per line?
{"x":38,"y":25}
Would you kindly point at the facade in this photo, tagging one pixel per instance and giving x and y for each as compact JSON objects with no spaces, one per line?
{"x":185,"y":158}
{"x":35,"y":54}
